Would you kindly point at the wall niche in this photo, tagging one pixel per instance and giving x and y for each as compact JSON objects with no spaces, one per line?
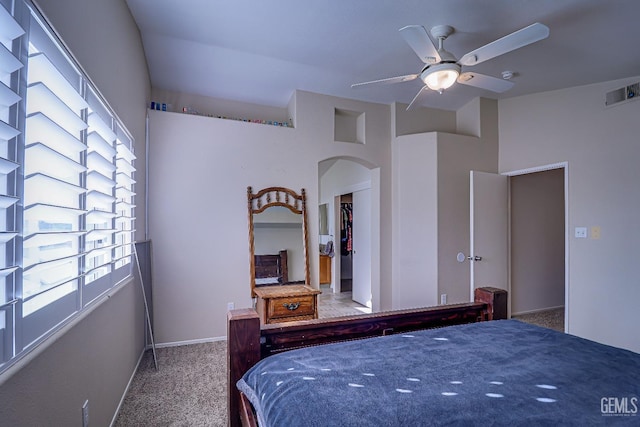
{"x":349,"y":126}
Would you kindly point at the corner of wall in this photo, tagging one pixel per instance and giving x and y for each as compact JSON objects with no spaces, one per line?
{"x":468,"y":119}
{"x":393,"y":111}
{"x":421,"y":120}
{"x":291,"y":108}
{"x":479,"y":118}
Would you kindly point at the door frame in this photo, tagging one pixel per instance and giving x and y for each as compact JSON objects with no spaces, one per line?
{"x":335,"y":268}
{"x":560,"y":165}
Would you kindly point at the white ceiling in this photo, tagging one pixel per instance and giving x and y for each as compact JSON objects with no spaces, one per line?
{"x":260,"y":52}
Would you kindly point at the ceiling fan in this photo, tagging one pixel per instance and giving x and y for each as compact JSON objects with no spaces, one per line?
{"x":442,"y":69}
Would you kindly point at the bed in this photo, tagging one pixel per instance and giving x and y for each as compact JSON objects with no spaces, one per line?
{"x":271,"y":269}
{"x":469,"y":372}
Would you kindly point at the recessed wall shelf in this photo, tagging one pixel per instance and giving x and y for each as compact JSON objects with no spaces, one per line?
{"x":349,"y":126}
{"x":192,"y":111}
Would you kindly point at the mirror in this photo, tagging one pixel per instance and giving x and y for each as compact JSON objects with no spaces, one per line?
{"x":277,"y":237}
{"x":324,"y":219}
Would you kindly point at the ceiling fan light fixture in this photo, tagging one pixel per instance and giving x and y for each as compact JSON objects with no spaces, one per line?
{"x":439,"y":77}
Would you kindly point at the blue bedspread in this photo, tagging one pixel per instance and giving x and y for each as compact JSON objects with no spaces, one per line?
{"x":490,"y":373}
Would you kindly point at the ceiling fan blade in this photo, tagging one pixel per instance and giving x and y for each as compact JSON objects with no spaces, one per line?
{"x":482,"y":81}
{"x":417,"y":100}
{"x":398,"y":79}
{"x":513,"y":41}
{"x":418,"y":39}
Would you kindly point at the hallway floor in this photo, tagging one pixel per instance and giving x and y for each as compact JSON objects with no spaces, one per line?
{"x":553,"y":318}
{"x":338,"y":304}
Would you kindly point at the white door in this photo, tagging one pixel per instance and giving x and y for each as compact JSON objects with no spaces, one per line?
{"x":489,"y":246}
{"x":361,"y":291}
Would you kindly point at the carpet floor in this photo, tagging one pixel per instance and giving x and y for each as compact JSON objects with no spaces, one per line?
{"x":188,"y":389}
{"x":552,"y":319}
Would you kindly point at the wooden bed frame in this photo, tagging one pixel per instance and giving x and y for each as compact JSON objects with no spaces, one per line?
{"x":248,"y":342}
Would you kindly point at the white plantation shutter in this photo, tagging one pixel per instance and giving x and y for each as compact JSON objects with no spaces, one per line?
{"x":67,"y":186}
{"x":100,"y":201}
{"x":125,"y":205}
{"x":53,"y":186}
{"x":10,"y":65}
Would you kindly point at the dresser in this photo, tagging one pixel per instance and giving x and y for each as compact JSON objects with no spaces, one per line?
{"x":287,"y":303}
{"x":325,"y":269}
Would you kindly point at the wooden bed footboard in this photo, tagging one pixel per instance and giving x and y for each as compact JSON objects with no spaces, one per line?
{"x":248,"y":341}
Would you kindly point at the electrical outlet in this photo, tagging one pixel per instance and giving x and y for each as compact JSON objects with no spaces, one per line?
{"x":230,"y":306}
{"x":85,"y":414}
{"x":581,"y":232}
{"x":595,"y":232}
{"x":443,"y":299}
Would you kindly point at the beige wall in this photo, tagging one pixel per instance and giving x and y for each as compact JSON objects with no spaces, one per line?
{"x":535,"y":130}
{"x":457,"y":155}
{"x":537,"y":241}
{"x":95,"y":358}
{"x":431,"y":202}
{"x":200,"y":169}
{"x":421,"y":120}
{"x":602,"y":150}
{"x":415,"y":220}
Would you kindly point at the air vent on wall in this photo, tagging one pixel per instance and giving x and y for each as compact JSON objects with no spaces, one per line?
{"x":624,"y":94}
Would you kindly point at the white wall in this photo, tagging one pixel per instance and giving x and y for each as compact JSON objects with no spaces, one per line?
{"x":198,"y":202}
{"x":95,"y":357}
{"x":602,"y":150}
{"x":415,"y":225}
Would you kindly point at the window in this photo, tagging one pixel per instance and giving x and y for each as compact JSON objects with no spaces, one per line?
{"x":67,"y":185}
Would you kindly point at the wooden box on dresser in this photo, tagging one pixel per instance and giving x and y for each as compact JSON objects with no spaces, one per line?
{"x":286,"y":303}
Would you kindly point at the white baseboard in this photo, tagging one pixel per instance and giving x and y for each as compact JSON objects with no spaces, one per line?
{"x":126,"y":390}
{"x":187,"y":342}
{"x":536,"y":311}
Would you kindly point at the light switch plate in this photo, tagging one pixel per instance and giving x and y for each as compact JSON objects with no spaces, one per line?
{"x":581,"y":232}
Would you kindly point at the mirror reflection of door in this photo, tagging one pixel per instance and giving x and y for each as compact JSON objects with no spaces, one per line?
{"x":323,"y":213}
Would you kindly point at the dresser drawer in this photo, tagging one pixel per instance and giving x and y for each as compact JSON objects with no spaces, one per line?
{"x":294,"y":306}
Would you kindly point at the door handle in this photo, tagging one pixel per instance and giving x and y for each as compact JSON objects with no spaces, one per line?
{"x":460,"y":257}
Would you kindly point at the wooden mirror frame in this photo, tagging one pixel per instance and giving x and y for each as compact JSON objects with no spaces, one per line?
{"x":277,"y":196}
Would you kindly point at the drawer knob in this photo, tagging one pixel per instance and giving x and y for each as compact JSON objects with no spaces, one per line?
{"x":291,"y":305}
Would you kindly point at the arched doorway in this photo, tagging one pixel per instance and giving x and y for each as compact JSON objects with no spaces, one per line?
{"x":349,"y":192}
